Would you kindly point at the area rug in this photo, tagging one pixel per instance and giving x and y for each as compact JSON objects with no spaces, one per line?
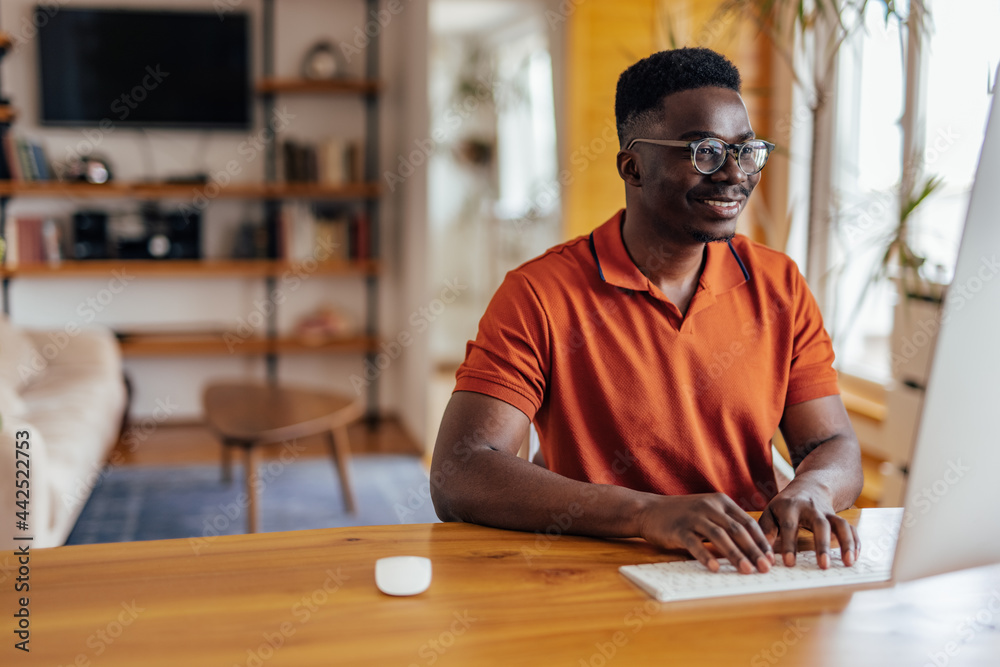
{"x":132,"y":503}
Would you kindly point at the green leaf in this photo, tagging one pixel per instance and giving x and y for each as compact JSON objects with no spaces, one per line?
{"x":930,"y":185}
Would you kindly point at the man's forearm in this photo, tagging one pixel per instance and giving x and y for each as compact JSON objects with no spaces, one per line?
{"x":496,"y":489}
{"x":477,"y":477}
{"x":835,"y":467}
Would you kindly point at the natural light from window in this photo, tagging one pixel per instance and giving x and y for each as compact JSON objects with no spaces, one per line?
{"x":961,"y":55}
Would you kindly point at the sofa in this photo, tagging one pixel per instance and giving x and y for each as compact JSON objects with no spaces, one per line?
{"x":65,"y":390}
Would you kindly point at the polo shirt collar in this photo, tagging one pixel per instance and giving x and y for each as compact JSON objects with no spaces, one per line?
{"x":724,"y":269}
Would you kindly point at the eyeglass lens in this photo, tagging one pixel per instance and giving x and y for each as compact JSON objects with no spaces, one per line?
{"x":710,"y":155}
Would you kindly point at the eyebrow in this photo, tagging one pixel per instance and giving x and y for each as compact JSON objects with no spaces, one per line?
{"x":702,"y":134}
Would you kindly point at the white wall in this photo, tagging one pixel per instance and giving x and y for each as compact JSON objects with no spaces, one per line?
{"x":223,"y":302}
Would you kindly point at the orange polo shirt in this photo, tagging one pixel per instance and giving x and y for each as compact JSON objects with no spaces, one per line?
{"x":624,"y":390}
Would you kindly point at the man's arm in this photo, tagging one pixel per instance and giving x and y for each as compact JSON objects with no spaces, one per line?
{"x":477,"y":477}
{"x":828,"y":479}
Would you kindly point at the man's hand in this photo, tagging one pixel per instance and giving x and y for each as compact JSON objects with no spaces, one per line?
{"x":828,"y":478}
{"x":806,"y":503}
{"x":685,"y":521}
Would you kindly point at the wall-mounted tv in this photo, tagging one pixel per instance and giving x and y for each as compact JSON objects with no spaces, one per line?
{"x":143,"y":68}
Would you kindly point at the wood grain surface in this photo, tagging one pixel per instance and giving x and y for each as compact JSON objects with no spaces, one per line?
{"x":497,"y":598}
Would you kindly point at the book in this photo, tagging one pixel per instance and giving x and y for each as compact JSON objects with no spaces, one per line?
{"x":24,"y":158}
{"x":51,"y":242}
{"x":11,"y":155}
{"x":363,"y":230}
{"x":341,"y":161}
{"x":5,"y":173}
{"x":331,"y":238}
{"x":300,"y":162}
{"x":39,"y":162}
{"x":25,"y":244}
{"x":331,"y":162}
{"x":11,"y":242}
{"x":297,"y":238}
{"x":355,"y":158}
{"x":334,"y":161}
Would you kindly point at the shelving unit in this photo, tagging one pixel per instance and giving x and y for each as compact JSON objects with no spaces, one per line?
{"x":191,"y":268}
{"x":306,"y":86}
{"x":140,"y":190}
{"x":7,"y":116}
{"x":272,"y":193}
{"x":183,"y":345}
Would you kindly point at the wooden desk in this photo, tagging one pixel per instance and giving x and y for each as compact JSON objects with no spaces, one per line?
{"x":498,"y":598}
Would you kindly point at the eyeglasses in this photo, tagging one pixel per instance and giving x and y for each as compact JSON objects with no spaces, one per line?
{"x":708,"y":155}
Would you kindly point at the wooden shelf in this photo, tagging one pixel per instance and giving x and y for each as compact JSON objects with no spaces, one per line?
{"x":118,"y":190}
{"x":333,"y":86}
{"x":5,"y":41}
{"x":219,"y":344}
{"x":191,"y":268}
{"x":7,"y":113}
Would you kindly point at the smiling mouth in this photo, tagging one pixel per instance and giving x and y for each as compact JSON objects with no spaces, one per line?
{"x":722,"y":203}
{"x":726,"y":209}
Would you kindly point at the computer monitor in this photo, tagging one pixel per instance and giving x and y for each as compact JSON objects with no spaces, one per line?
{"x":953,"y":489}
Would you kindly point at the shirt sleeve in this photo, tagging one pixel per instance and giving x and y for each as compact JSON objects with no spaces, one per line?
{"x":812,"y":374}
{"x":509,"y":360}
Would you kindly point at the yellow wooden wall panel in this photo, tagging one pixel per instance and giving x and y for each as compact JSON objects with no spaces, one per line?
{"x":604,"y":38}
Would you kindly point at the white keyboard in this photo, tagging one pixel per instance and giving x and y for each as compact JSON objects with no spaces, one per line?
{"x":690,"y":580}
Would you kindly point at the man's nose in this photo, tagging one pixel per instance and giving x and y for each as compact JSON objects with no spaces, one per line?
{"x":730,"y":171}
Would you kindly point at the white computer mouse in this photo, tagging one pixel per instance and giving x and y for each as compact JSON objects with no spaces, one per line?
{"x":403,"y":575}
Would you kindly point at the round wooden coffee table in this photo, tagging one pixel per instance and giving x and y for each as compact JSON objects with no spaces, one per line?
{"x":246,"y":415}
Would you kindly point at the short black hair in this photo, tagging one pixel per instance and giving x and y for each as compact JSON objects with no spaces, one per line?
{"x":642,"y":87}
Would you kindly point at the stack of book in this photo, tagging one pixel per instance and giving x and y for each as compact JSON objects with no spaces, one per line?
{"x":31,"y":241}
{"x":22,"y":159}
{"x":334,"y":161}
{"x":309,"y":231}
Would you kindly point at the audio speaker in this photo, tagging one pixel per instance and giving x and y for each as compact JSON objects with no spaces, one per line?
{"x":90,"y":235}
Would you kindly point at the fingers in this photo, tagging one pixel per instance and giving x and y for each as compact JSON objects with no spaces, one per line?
{"x":788,"y":518}
{"x":732,"y":537}
{"x":768,"y":526}
{"x":788,"y":534}
{"x":847,"y":536}
{"x":780,"y":521}
{"x":753,"y":529}
{"x":820,"y":527}
{"x":693,"y":544}
{"x":721,"y":540}
{"x":687,"y":521}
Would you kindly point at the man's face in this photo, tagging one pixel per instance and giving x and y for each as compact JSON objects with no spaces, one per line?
{"x":687,"y":204}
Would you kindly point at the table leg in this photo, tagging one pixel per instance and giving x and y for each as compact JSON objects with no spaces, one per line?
{"x":340,"y":448}
{"x":227,"y":461}
{"x":250,"y":464}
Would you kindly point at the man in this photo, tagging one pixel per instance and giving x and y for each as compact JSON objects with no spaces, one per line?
{"x":657,"y":356}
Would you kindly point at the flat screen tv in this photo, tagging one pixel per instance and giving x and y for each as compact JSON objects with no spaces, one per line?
{"x":143,"y":68}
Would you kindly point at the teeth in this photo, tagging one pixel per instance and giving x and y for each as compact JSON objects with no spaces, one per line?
{"x":724,"y":204}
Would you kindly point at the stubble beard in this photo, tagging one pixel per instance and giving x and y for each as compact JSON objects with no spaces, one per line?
{"x":707,"y":237}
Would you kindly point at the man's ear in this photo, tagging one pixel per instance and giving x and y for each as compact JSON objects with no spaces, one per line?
{"x":629,"y":168}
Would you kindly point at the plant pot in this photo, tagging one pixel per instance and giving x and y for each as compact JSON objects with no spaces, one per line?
{"x":916,"y":321}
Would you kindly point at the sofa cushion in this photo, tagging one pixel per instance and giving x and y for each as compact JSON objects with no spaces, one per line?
{"x":11,"y":403}
{"x":77,"y":402}
{"x":16,"y":352}
{"x":72,"y":410}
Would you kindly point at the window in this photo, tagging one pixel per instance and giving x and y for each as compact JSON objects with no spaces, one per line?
{"x":957,"y":60}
